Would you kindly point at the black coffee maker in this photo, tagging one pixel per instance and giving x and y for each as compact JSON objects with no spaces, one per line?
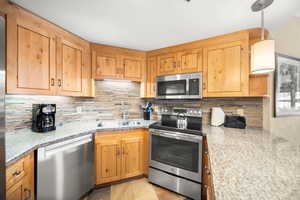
{"x":43,"y":117}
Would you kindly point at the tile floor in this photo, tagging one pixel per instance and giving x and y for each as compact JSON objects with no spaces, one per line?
{"x":138,"y":189}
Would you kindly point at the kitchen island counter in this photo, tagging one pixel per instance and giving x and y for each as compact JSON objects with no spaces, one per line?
{"x":253,"y":164}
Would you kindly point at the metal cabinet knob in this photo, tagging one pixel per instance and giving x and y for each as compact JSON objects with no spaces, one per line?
{"x":17,"y":173}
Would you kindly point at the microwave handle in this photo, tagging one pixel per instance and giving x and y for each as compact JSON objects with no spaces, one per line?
{"x":187,"y":87}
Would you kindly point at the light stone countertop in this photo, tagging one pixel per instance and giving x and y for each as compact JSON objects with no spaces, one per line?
{"x":21,"y":142}
{"x":246,"y":164}
{"x":253,"y":164}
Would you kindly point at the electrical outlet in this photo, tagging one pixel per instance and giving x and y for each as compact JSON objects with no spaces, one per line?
{"x":240,"y":112}
{"x":78,"y":109}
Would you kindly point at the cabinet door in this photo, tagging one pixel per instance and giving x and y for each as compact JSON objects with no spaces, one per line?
{"x":258,"y":85}
{"x":190,"y":61}
{"x":226,"y":70}
{"x":106,"y":66}
{"x":132,"y":68}
{"x":132,"y":159}
{"x":69,"y":68}
{"x":20,"y":191}
{"x":146,"y":151}
{"x":15,"y":193}
{"x":151,"y":77}
{"x":31,"y":61}
{"x":167,"y":64}
{"x":108,"y":160}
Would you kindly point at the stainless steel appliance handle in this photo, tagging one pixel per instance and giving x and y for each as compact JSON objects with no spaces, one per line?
{"x":67,"y":145}
{"x":177,"y":136}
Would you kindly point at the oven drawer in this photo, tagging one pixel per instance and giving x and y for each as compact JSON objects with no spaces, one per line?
{"x":176,"y":184}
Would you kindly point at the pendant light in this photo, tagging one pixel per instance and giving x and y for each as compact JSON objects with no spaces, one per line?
{"x":262,"y":52}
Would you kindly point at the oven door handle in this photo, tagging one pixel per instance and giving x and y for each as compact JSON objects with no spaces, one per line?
{"x":176,"y":136}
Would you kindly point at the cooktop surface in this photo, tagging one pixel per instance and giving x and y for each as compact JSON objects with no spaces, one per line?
{"x":158,"y":126}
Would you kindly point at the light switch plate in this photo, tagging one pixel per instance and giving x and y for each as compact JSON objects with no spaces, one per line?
{"x":78,"y":109}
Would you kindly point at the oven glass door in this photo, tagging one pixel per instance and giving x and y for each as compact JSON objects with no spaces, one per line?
{"x":172,"y":88}
{"x":177,"y":153}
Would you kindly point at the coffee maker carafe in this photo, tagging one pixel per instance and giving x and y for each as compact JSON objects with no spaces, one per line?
{"x":43,"y":117}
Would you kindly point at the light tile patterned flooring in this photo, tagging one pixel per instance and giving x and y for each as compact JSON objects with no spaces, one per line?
{"x":138,"y":189}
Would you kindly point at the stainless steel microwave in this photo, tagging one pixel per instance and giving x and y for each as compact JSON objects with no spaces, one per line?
{"x":179,"y":86}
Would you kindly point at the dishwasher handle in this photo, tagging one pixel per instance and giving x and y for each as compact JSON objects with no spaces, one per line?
{"x":66,"y":145}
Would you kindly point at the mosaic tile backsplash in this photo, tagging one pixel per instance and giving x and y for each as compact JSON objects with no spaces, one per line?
{"x":252,"y":108}
{"x":111,"y":98}
{"x":114,"y":97}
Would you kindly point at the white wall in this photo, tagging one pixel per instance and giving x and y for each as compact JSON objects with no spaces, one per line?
{"x":287,"y":40}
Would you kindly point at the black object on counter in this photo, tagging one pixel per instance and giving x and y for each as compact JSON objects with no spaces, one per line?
{"x":147,"y":115}
{"x":43,"y":117}
{"x":235,"y":121}
{"x":147,"y":110}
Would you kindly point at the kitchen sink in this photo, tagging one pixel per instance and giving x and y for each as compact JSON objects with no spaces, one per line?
{"x":119,"y":123}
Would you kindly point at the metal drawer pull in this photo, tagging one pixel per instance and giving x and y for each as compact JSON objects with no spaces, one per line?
{"x":59,"y":82}
{"x":52,"y":81}
{"x":17,"y":173}
{"x":29,"y":194}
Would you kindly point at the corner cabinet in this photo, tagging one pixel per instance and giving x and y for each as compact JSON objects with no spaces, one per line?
{"x":133,"y":68}
{"x":119,"y":155}
{"x":226,"y":70}
{"x":106,"y":66}
{"x":44,"y":59}
{"x":110,"y":62}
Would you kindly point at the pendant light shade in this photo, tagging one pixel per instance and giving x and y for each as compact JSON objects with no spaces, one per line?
{"x":262,"y":52}
{"x":263,"y":57}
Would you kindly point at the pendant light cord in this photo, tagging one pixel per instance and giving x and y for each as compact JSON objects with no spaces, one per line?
{"x":262,"y":25}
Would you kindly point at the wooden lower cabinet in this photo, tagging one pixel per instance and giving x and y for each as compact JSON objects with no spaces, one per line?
{"x":119,"y":155}
{"x":108,"y":158}
{"x":132,"y":155}
{"x":20,"y":179}
{"x":207,"y":184}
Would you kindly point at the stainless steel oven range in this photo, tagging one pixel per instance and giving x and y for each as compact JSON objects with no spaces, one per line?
{"x":176,"y":157}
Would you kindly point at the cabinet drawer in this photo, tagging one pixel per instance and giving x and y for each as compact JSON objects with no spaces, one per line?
{"x":17,"y":171}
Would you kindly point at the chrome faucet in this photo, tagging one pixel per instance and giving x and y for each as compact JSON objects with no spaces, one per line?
{"x":124,"y":110}
{"x":125,"y":114}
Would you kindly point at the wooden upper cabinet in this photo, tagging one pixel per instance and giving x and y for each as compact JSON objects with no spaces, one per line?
{"x":167,"y":64}
{"x":132,"y":160}
{"x":226,"y":70}
{"x":31,"y":61}
{"x":258,"y":85}
{"x":133,"y":68}
{"x":106,"y":66}
{"x":151,"y":77}
{"x":69,"y":68}
{"x":41,"y":59}
{"x":190,"y":61}
{"x":117,"y":63}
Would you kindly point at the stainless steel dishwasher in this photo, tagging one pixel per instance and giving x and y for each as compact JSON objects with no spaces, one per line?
{"x":65,"y":170}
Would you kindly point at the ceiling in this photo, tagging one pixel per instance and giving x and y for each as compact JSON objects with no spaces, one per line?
{"x":153,"y":24}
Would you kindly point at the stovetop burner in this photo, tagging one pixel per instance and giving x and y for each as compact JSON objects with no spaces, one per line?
{"x":158,"y":125}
